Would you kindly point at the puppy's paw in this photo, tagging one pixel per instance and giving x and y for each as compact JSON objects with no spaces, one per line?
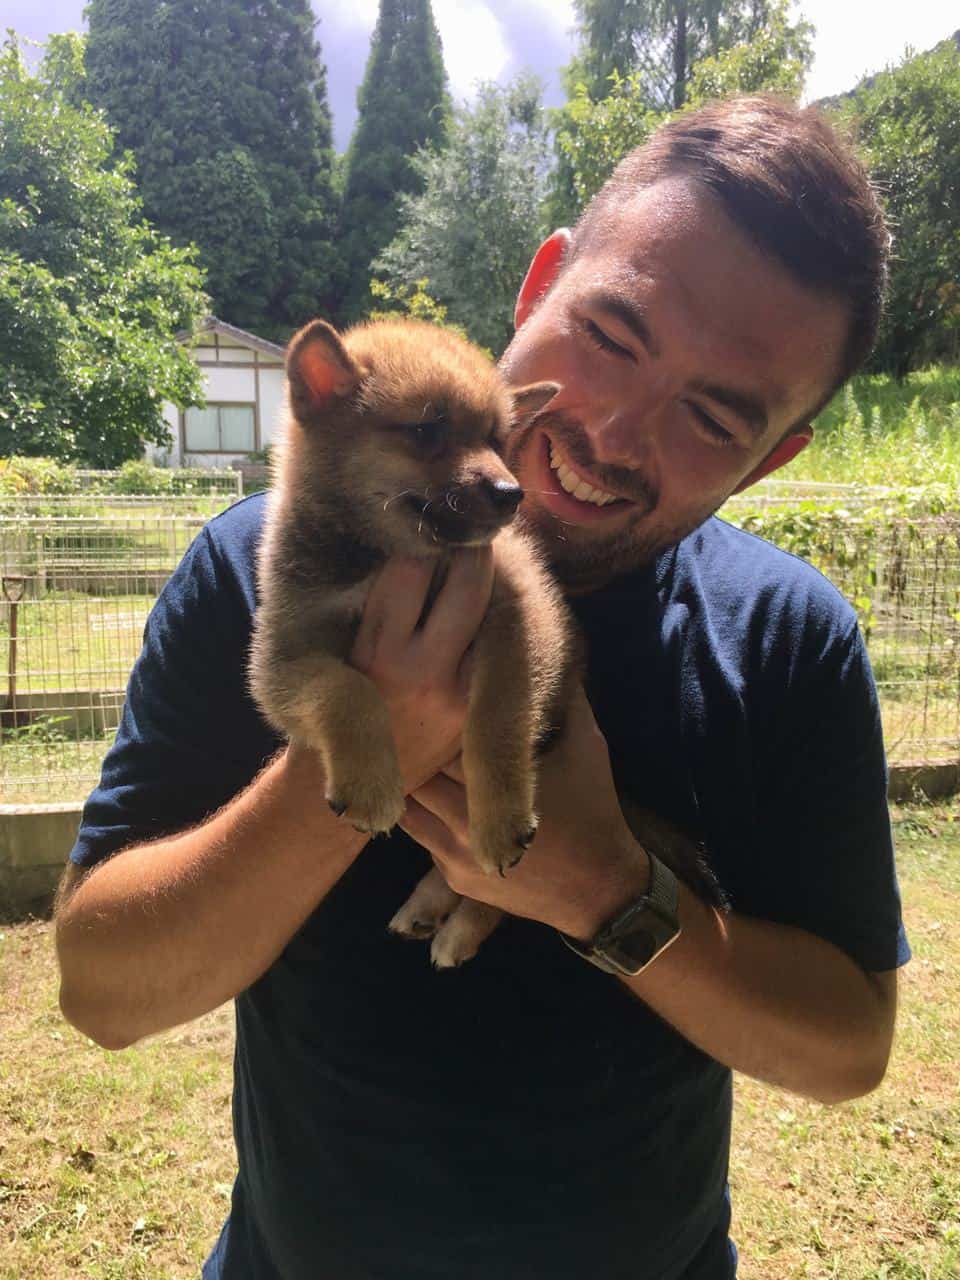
{"x":499,"y":842}
{"x":420,"y":919}
{"x":460,"y":938}
{"x":426,"y":910}
{"x":372,"y":802}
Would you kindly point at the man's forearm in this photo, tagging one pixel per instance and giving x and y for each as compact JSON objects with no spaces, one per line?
{"x":166,"y":931}
{"x":774,"y":1002}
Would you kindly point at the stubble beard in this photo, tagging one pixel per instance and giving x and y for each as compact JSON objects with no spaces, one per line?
{"x":585,"y":558}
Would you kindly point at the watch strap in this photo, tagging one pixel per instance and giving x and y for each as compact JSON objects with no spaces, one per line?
{"x":655,"y":910}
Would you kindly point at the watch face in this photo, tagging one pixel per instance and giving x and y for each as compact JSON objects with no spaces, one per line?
{"x":633,"y":952}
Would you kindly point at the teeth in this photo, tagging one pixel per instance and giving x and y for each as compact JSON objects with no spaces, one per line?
{"x":572,"y":483}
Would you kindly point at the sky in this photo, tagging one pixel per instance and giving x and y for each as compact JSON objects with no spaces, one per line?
{"x":495,"y":39}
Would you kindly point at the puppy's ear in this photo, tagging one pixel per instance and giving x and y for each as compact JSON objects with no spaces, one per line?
{"x":529,"y":400}
{"x":319,"y":366}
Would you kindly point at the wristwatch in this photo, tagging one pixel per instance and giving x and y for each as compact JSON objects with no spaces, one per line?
{"x":635,"y":937}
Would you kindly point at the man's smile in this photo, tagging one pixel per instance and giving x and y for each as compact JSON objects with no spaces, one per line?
{"x":567,"y":491}
{"x":573,"y":481}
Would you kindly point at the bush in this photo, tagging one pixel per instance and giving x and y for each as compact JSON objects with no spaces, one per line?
{"x":19,"y":475}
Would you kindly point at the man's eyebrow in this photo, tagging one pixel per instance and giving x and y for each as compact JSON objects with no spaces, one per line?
{"x":630,"y":315}
{"x":750,"y":408}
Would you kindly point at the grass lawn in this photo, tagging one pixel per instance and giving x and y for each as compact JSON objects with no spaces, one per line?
{"x":119,"y":1165}
{"x":71,"y":640}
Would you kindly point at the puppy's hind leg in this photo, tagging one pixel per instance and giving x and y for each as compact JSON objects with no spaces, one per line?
{"x":461,"y":937}
{"x":427,"y":908}
{"x":457,"y":925}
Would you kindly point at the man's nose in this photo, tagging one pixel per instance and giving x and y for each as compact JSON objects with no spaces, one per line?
{"x":621,"y":436}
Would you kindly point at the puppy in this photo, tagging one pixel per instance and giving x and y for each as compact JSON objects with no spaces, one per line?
{"x":391,"y":447}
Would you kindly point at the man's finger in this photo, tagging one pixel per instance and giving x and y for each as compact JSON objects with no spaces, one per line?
{"x":446,"y":800}
{"x":393,"y":609}
{"x":454,"y":770}
{"x":458,"y":610}
{"x":427,"y":829}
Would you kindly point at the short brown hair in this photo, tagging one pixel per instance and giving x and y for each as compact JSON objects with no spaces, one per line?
{"x":787,"y":179}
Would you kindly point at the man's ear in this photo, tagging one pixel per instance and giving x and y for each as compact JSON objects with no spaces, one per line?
{"x":785,"y":452}
{"x":541,"y":273}
{"x":318,"y":364}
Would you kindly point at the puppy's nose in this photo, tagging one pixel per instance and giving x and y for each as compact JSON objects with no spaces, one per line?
{"x":504,"y":495}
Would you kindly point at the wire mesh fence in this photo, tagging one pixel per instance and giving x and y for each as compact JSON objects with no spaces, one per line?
{"x":75,"y":591}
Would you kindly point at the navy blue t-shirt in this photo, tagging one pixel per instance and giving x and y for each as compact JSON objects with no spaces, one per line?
{"x":524,"y":1116}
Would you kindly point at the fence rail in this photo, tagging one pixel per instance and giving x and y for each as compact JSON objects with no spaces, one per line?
{"x":75,"y":591}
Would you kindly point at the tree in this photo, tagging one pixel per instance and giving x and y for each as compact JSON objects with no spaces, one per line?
{"x":660,"y":41}
{"x":91,"y":298}
{"x":472,"y":230}
{"x":224,"y":107}
{"x":402,"y":106}
{"x":592,"y":135}
{"x":908,"y":123}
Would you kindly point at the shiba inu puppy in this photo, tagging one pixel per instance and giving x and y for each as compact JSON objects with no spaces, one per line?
{"x":391,"y":447}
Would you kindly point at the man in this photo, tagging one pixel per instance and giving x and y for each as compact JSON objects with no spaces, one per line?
{"x":532,"y":1115}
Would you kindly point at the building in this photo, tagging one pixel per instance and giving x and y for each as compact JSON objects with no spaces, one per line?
{"x":243,"y":385}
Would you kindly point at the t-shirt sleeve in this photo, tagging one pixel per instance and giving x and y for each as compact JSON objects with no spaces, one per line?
{"x":825,"y":857}
{"x":189,"y":737}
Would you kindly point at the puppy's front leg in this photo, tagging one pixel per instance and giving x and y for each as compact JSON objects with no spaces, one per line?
{"x":498,"y":742}
{"x":340,"y":713}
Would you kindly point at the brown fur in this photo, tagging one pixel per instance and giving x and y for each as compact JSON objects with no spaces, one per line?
{"x":391,"y":448}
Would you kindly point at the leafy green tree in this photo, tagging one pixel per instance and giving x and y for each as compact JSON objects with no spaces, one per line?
{"x":224,"y":106}
{"x":908,"y":122}
{"x":473,"y":229}
{"x":593,"y":135}
{"x":402,"y":106}
{"x":91,"y":298}
{"x":659,"y":42}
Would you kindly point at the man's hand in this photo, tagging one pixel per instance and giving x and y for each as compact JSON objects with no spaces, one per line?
{"x":584,"y":862}
{"x":421,"y":666}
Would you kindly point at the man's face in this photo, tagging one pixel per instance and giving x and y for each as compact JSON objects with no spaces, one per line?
{"x":684,"y":354}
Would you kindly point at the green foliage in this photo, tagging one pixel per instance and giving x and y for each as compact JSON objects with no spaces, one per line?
{"x":91,"y":298}
{"x":775,"y":58}
{"x":224,"y":107}
{"x":402,"y":106}
{"x":659,"y":42}
{"x":28,"y":476}
{"x":477,"y":223}
{"x":604,"y":120}
{"x":908,"y":122}
{"x":882,"y":431}
{"x":23,"y":475}
{"x":412,"y":301}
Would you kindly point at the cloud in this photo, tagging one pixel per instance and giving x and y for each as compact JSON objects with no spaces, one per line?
{"x":475,"y":46}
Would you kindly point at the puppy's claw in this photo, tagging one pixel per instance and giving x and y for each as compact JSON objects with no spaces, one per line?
{"x":339,"y":807}
{"x":526,"y":839}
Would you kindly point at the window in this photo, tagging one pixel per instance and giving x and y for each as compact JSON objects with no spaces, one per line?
{"x":220,"y":428}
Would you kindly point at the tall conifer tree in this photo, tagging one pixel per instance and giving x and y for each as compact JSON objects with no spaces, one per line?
{"x":224,"y":105}
{"x":402,"y":106}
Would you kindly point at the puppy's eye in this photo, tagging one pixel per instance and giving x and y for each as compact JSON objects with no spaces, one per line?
{"x":426,"y":437}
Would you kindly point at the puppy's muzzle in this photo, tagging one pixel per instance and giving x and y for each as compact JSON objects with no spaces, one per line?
{"x":471,"y":513}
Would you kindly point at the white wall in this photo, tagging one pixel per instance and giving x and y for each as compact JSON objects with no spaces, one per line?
{"x":226,"y":383}
{"x":271,"y":404}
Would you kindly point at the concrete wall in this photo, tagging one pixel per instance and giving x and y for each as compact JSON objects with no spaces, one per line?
{"x":34,"y":843}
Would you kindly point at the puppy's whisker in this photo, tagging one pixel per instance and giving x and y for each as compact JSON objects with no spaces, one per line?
{"x":402,"y":494}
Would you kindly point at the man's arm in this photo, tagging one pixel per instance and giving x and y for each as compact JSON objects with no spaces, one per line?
{"x":167,"y":930}
{"x":773,"y":1001}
